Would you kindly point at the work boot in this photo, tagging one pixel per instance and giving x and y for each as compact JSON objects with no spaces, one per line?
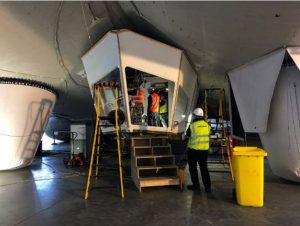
{"x":208,"y":189}
{"x":193,"y":187}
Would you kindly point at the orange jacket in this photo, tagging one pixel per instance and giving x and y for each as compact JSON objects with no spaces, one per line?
{"x":141,"y":94}
{"x":154,"y":107}
{"x":139,"y":98}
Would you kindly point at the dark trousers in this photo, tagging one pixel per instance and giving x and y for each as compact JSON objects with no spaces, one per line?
{"x":200,"y":157}
{"x":153,"y":119}
{"x":164,"y":119}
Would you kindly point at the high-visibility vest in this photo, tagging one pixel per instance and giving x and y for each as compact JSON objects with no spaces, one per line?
{"x":199,"y":139}
{"x":154,"y":102}
{"x":163,"y":108}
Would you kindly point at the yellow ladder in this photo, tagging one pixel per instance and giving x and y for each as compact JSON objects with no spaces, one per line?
{"x":97,"y":135}
{"x":220,"y":119}
{"x":224,"y":141}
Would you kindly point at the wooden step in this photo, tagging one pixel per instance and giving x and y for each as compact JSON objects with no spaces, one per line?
{"x":158,"y":181}
{"x":156,"y":178}
{"x":157,"y":171}
{"x":145,"y":150}
{"x":148,"y":150}
{"x":153,"y":156}
{"x":140,"y":141}
{"x":156,"y":167}
{"x":155,"y":160}
{"x":152,"y":162}
{"x":159,"y":141}
{"x":149,"y":141}
{"x":162,"y":150}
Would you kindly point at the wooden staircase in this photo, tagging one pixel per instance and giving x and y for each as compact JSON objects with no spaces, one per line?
{"x":152,"y":162}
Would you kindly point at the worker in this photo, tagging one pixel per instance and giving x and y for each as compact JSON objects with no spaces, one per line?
{"x":153,"y":107}
{"x":141,"y":94}
{"x":163,"y":109}
{"x":136,"y":105}
{"x":137,"y":93}
{"x":197,"y":152}
{"x":138,"y":96}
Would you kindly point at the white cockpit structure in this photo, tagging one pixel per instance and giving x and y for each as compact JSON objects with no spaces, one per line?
{"x":138,"y":63}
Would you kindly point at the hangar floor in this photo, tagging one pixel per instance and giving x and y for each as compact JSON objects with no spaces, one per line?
{"x":48,"y":193}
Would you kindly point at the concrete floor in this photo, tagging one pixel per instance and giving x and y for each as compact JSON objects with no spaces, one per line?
{"x":48,"y":193}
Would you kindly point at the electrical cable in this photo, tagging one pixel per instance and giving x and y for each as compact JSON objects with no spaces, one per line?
{"x":86,"y":26}
{"x":54,"y":170}
{"x":27,"y":74}
{"x":288,"y":119}
{"x":62,"y":173}
{"x":34,"y":214}
{"x":137,"y":10}
{"x":9,"y":135}
{"x":294,"y":124}
{"x":58,"y":51}
{"x":110,"y":15}
{"x":91,"y":11}
{"x":44,"y":179}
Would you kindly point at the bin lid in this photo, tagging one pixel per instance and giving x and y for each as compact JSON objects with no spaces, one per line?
{"x":249,"y":151}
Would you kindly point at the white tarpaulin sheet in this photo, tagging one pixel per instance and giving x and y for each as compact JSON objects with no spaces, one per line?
{"x":295,"y":55}
{"x":253,"y":86}
{"x":282,"y":139}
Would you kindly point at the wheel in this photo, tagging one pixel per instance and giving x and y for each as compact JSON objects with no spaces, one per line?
{"x":181,"y":186}
{"x":234,"y":194}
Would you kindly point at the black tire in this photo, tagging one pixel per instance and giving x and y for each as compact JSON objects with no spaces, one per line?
{"x":234,"y":194}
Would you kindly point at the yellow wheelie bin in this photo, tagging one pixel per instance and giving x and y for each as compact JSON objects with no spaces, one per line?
{"x":248,"y":173}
